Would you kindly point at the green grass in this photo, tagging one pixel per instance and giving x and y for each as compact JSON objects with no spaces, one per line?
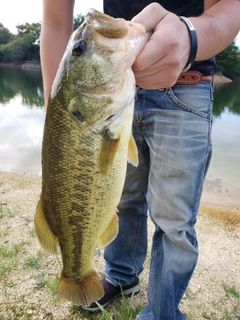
{"x":3,"y":269}
{"x":121,"y":309}
{"x":5,"y":211}
{"x":227,"y":312}
{"x":123,"y":312}
{"x":52,"y":285}
{"x":10,"y":214}
{"x":126,"y":310}
{"x":33,"y":261}
{"x":8,"y":257}
{"x":10,"y":253}
{"x":231,"y":290}
{"x":32,"y":232}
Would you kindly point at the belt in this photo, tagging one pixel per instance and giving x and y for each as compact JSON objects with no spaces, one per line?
{"x":192,"y":77}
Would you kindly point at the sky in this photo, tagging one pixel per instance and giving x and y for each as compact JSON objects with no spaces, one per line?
{"x":14,"y":12}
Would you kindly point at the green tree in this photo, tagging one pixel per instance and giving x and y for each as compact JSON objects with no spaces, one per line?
{"x":5,"y":35}
{"x":78,"y":20}
{"x":33,"y":29}
{"x":20,"y":49}
{"x":228,"y":62}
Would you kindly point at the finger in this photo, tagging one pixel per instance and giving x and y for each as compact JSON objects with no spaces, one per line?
{"x":153,"y":82}
{"x":152,"y":52}
{"x":154,"y":68}
{"x":165,"y":78}
{"x":151,"y":15}
{"x":163,"y":46}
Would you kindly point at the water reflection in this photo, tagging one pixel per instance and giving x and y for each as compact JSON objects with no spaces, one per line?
{"x":21,"y":120}
{"x":222,"y":181}
{"x":226,"y":96}
{"x":21,"y":128}
{"x":21,"y":137}
{"x":26,"y":83}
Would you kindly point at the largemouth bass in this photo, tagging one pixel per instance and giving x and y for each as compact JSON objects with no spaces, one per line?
{"x":86,"y":145}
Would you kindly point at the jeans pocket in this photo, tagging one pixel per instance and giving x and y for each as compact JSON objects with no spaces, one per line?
{"x":196,"y":99}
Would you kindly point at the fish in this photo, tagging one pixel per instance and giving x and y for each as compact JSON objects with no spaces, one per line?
{"x":87,"y":142}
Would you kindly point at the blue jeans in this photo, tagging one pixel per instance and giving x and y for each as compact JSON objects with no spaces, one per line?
{"x":172,"y":129}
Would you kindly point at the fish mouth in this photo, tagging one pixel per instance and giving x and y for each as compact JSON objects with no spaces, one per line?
{"x":107,"y":26}
{"x":112,"y":28}
{"x":107,"y":31}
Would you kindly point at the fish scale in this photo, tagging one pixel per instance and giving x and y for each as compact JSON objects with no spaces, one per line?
{"x":86,"y":145}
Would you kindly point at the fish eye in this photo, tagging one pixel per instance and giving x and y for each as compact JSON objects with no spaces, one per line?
{"x":78,"y":115}
{"x":79,"y":48}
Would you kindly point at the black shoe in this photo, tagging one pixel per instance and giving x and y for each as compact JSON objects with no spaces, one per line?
{"x":112,"y":292}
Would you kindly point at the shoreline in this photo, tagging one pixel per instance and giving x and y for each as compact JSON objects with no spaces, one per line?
{"x":27,"y":65}
{"x":224,"y":210}
{"x":36,"y":65}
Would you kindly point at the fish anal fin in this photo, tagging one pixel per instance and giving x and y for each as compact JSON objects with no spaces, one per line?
{"x":46,"y":237}
{"x":110,"y":232}
{"x":108,"y":151}
{"x":132,"y":152}
{"x":81,"y":292}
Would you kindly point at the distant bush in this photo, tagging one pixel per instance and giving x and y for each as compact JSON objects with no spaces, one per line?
{"x":5,"y":35}
{"x":228,"y":62}
{"x":20,"y":49}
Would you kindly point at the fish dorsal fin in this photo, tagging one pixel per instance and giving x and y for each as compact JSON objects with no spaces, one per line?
{"x":108,"y":151}
{"x":132,"y":152}
{"x":46,"y":237}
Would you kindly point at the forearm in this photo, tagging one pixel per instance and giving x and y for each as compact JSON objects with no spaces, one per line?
{"x":51,"y":51}
{"x":217,"y":27}
{"x":57,"y":26}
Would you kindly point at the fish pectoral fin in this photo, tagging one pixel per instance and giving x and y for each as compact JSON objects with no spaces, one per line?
{"x":81,"y":292}
{"x":132,"y":152}
{"x":108,"y":151}
{"x":46,"y":237}
{"x":110,"y":232}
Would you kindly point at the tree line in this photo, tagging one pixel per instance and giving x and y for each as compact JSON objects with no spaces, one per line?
{"x":25,"y":46}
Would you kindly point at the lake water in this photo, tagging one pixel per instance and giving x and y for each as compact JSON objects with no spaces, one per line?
{"x":21,"y":128}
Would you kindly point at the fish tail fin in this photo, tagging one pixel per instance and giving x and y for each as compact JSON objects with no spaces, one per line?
{"x":110,"y":232}
{"x":132,"y":152}
{"x":46,"y":237}
{"x":82,"y":292}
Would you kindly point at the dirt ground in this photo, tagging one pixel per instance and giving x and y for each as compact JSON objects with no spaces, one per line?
{"x":28,"y":275}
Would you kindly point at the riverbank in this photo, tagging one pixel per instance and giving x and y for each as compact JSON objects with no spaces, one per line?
{"x":29,"y":65}
{"x":219,"y":78}
{"x":29,"y":275}
{"x":35,"y":65}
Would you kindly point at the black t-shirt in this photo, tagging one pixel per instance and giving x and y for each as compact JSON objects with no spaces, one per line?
{"x":127,"y":9}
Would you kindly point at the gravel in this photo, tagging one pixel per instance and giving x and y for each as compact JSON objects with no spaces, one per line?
{"x":29,"y":276}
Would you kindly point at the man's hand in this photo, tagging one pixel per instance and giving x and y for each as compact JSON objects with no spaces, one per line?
{"x":166,"y":53}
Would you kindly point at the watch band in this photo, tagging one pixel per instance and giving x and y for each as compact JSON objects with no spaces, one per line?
{"x":193,"y":42}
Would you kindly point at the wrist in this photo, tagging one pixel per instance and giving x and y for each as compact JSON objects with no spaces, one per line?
{"x":193,"y":42}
